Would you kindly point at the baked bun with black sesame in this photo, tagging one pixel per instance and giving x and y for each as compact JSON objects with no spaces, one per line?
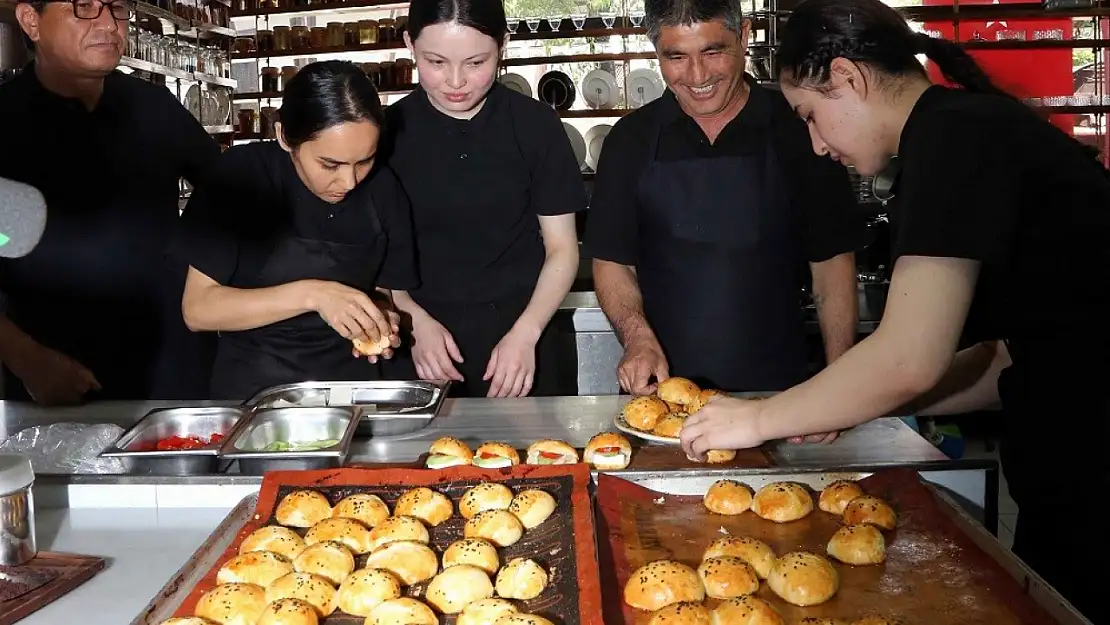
{"x":725,"y":577}
{"x":312,"y":589}
{"x":702,"y":399}
{"x":288,"y":612}
{"x":858,"y":544}
{"x":728,"y":497}
{"x":274,"y":538}
{"x":782,"y":502}
{"x":678,"y":391}
{"x":347,"y":532}
{"x":474,"y":552}
{"x":254,"y":567}
{"x":449,"y":452}
{"x":486,"y":611}
{"x":720,"y":456}
{"x":423,"y":503}
{"x":331,"y":560}
{"x":523,"y":619}
{"x":836,"y":496}
{"x":670,"y":425}
{"x":495,"y":456}
{"x":747,"y":610}
{"x":302,"y":508}
{"x":551,"y":452}
{"x":682,"y":614}
{"x":803,"y":579}
{"x":365,"y":508}
{"x":410,"y":561}
{"x":485,"y":496}
{"x":365,"y":589}
{"x":755,"y":552}
{"x":608,"y":451}
{"x":644,"y":412}
{"x":457,"y":587}
{"x":403,"y":611}
{"x":521,"y":578}
{"x":398,"y":528}
{"x":500,"y":527}
{"x":532,"y":507}
{"x":232,"y":604}
{"x":870,"y":510}
{"x":658,"y":584}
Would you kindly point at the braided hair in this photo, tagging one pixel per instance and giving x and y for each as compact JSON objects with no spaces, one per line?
{"x":872,"y":33}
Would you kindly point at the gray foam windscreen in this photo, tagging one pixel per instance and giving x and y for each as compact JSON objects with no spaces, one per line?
{"x":22,"y":218}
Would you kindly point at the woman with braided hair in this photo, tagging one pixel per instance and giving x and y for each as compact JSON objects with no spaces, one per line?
{"x":982,"y":225}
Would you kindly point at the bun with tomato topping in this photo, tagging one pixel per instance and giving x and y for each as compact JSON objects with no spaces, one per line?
{"x":495,"y":456}
{"x":449,"y":452}
{"x":551,"y":452}
{"x":608,"y":451}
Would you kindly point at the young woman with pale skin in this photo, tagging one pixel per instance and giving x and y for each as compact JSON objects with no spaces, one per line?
{"x":294,"y":246}
{"x":980,"y":231}
{"x":494,"y":186}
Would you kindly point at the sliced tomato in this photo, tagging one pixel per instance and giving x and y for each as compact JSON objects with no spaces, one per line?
{"x":608,"y":450}
{"x":550,"y":455}
{"x":485,"y":455}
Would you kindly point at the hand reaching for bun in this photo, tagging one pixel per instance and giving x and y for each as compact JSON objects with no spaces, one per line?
{"x":643,"y":360}
{"x":723,"y":423}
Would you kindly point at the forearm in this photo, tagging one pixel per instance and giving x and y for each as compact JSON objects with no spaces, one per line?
{"x":14,"y":344}
{"x":221,"y":308}
{"x":556,"y":278}
{"x":836,"y":295}
{"x":970,"y":384}
{"x":404,"y":303}
{"x":618,"y":292}
{"x":867,"y":382}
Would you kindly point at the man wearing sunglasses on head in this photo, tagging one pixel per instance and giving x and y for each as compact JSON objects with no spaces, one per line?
{"x":94,"y":311}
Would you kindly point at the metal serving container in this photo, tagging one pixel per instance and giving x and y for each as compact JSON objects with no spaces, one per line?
{"x":164,"y":422}
{"x":384,"y":408}
{"x":267,"y":426}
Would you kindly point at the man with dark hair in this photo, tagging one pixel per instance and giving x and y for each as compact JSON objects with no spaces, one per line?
{"x":94,"y":311}
{"x":707,"y":203}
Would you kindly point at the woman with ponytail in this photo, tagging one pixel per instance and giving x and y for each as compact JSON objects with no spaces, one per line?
{"x":1001,"y":241}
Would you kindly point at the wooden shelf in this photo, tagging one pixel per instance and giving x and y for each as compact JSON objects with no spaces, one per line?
{"x":576,"y":58}
{"x":179,"y":74}
{"x":1037,"y":44}
{"x":320,"y":8}
{"x":370,"y":47}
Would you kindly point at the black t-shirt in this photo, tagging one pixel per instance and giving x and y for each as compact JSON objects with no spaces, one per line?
{"x":1025,"y":200}
{"x":477,"y":188}
{"x":827,"y":222}
{"x":99,"y":287}
{"x":255,"y":197}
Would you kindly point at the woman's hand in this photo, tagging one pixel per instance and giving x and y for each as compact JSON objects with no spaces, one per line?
{"x":350,"y":312}
{"x":512,"y":365}
{"x":394,"y":340}
{"x":724,"y":423}
{"x":434,"y":351}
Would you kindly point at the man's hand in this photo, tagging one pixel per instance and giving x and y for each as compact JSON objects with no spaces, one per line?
{"x":643,"y":359}
{"x":818,"y":439}
{"x":52,"y":378}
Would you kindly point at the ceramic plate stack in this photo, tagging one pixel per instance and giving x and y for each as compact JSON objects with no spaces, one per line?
{"x":643,"y":86}
{"x":599,"y":88}
{"x":517,"y":83}
{"x":577,"y":143}
{"x":557,"y":89}
{"x":595,"y":138}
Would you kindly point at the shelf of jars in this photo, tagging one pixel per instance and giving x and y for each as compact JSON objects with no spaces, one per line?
{"x":175,"y":73}
{"x":189,"y":19}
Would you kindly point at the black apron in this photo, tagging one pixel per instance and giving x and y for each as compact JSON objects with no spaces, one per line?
{"x":718,"y":270}
{"x":305,"y":347}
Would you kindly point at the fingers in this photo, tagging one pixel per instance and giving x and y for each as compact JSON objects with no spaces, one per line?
{"x":640,"y":378}
{"x":624,"y":378}
{"x":491,"y":366}
{"x":526,"y":388}
{"x":394,"y":318}
{"x":452,"y":348}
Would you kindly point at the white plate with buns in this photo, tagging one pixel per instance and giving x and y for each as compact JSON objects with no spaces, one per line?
{"x":622,"y":425}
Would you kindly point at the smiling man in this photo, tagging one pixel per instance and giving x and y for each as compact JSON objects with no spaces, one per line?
{"x":94,"y":311}
{"x":707,"y":205}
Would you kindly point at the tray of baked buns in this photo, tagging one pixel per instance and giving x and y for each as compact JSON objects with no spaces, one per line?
{"x":814,"y":548}
{"x":461,"y":546}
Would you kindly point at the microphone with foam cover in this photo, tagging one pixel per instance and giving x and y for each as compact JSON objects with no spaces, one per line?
{"x":22,"y":218}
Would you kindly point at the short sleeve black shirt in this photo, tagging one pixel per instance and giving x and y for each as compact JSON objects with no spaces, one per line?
{"x":827,"y":221}
{"x":477,"y":189}
{"x":256,"y":197}
{"x":110,"y":177}
{"x":1028,"y":202}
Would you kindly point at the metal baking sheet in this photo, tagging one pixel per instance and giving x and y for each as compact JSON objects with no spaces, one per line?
{"x":661,"y":516}
{"x":380,"y":399}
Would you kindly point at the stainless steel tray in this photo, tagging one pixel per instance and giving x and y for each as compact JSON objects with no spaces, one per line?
{"x":302,"y":424}
{"x":374,"y":399}
{"x":182,"y":421}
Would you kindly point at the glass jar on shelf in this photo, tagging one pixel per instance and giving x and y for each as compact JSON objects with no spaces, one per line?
{"x":283,"y":39}
{"x":268,"y":118}
{"x":301,"y":40}
{"x":244,"y":45}
{"x":350,"y":33}
{"x":265,"y":40}
{"x":335,"y":35}
{"x":403,"y":71}
{"x":271,"y":78}
{"x":387,"y":30}
{"x":389,"y":78}
{"x":368,"y":32}
{"x":287,"y":74}
{"x":318,"y":37}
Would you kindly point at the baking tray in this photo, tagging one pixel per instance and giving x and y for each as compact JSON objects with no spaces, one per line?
{"x":181,"y":421}
{"x":387,"y":398}
{"x":563,"y":544}
{"x":942,"y":566}
{"x":263,"y":427}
